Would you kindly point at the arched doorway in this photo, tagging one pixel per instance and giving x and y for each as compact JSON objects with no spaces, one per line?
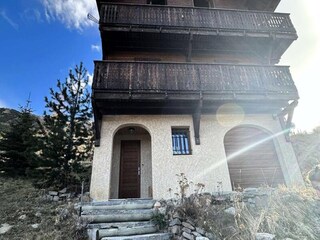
{"x":131,"y":170}
{"x":252,"y":158}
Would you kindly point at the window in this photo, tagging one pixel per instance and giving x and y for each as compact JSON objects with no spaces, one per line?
{"x":203,"y":3}
{"x":157,"y":2}
{"x":181,"y":141}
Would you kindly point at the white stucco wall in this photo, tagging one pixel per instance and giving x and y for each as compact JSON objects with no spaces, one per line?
{"x":206,"y":165}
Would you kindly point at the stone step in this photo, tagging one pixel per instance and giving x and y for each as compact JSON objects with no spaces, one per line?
{"x":127,"y":231}
{"x":109,"y":216}
{"x":118,"y":204}
{"x":154,"y":236}
{"x":119,"y":225}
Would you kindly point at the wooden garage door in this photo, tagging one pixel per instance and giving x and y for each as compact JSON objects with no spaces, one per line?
{"x":252,"y":166}
{"x":129,"y":182}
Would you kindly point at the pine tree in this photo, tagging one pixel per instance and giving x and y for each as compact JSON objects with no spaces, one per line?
{"x":67,"y":129}
{"x":19,"y":145}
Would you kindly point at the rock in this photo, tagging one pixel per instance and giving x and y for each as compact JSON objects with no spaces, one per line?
{"x":38,"y":214}
{"x":251,"y":200}
{"x":188,"y":236}
{"x":231,"y":211}
{"x":250,"y":190}
{"x":175,"y":221}
{"x":187,"y":230}
{"x":53,"y":193}
{"x":220,"y":198}
{"x":157,"y":205}
{"x":5,"y":228}
{"x":176,"y":230}
{"x":176,"y":215}
{"x":196,"y":234}
{"x":65,"y":195}
{"x":202,"y":238}
{"x":36,"y":225}
{"x":56,"y":198}
{"x":200,"y":230}
{"x":63,"y":190}
{"x":188,"y":225}
{"x":191,"y":222}
{"x":210,"y":236}
{"x":22,"y":217}
{"x":265,"y":236}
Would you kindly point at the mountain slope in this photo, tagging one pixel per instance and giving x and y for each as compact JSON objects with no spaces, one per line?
{"x":6,"y":117}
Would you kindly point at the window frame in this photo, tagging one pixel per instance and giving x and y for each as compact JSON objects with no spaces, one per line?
{"x":187,"y":150}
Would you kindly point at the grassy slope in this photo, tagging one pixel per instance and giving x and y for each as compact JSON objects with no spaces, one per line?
{"x":307,"y":148}
{"x":56,"y":220}
{"x":288,"y":213}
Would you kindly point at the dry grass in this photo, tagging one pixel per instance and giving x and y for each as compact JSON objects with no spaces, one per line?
{"x":287,"y":213}
{"x":290,"y":213}
{"x":56,"y":220}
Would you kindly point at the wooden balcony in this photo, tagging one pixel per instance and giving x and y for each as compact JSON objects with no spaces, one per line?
{"x":195,"y":30}
{"x":217,"y":21}
{"x":157,"y":87}
{"x":165,"y":80}
{"x":188,"y":88}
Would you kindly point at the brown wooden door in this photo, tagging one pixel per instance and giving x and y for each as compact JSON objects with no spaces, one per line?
{"x":254,"y":162}
{"x":129,"y":182}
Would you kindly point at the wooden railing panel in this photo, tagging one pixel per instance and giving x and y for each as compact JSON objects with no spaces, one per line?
{"x":186,"y":17}
{"x":188,"y":77}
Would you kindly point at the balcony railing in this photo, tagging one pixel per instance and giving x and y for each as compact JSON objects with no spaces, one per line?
{"x":158,"y":77}
{"x":195,"y":18}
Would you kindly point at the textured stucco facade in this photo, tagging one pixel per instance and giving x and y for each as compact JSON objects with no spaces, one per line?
{"x":206,"y":165}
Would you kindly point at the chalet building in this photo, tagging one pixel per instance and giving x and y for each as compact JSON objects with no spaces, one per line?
{"x":192,"y":86}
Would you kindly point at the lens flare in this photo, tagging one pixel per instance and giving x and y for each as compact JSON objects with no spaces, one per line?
{"x":230,"y":114}
{"x":241,"y":151}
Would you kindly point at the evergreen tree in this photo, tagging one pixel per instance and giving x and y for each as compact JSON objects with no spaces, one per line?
{"x":19,"y":145}
{"x":67,"y":129}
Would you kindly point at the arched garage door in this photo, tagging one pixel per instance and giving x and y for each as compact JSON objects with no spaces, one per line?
{"x":252,"y":159}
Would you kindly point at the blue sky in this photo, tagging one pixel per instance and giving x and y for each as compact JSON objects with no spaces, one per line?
{"x":42,"y":39}
{"x":39,"y":44}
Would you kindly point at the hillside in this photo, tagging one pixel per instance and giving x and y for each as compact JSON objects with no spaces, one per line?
{"x":6,"y":117}
{"x":307,"y":148}
{"x":29,"y":215}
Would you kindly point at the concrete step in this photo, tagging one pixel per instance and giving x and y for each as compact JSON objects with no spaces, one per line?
{"x":154,"y":236}
{"x":109,"y":216}
{"x":118,"y":204}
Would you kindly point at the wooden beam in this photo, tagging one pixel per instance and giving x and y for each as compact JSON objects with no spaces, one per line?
{"x":189,"y":54}
{"x":286,"y":125}
{"x":289,"y":108}
{"x":97,"y":123}
{"x":283,"y":126}
{"x":289,"y":119}
{"x":196,"y":117}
